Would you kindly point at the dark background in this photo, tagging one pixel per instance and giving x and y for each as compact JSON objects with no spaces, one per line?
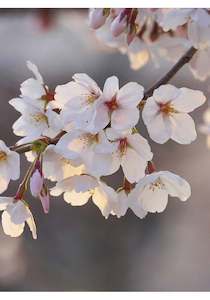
{"x":77,"y":249}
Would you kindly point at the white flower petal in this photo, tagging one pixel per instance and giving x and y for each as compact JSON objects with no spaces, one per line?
{"x":166,"y":93}
{"x":125,"y":118}
{"x":77,"y":199}
{"x":153,"y":199}
{"x":10,"y":228}
{"x":188,"y":100}
{"x":176,"y":186}
{"x":133,"y":165}
{"x":184,"y":132}
{"x":104,"y":198}
{"x":111,"y":87}
{"x":130,"y":95}
{"x":140,"y":145}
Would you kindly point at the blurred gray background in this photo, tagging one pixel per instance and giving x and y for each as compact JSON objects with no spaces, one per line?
{"x":77,"y":249}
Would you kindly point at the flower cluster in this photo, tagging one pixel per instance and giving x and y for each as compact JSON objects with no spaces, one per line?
{"x":137,"y":32}
{"x":81,"y":133}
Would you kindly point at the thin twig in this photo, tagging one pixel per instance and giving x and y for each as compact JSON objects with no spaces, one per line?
{"x":181,"y":62}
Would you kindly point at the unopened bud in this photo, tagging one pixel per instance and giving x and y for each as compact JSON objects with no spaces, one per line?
{"x":45,"y":199}
{"x":36,"y":183}
{"x":118,"y":25}
{"x":97,"y":18}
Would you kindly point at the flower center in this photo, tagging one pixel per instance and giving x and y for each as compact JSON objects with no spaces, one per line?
{"x":123,"y":146}
{"x":92,"y":97}
{"x":157,"y":184}
{"x":166,"y":109}
{"x":3,"y":155}
{"x":112,"y":104}
{"x":37,"y":118}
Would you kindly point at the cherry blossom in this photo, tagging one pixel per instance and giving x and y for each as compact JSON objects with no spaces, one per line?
{"x":127,"y":200}
{"x":166,"y":114}
{"x":132,"y":153}
{"x":153,"y":190}
{"x":9,"y":166}
{"x":94,"y":151}
{"x":78,"y":98}
{"x":35,"y":89}
{"x":77,"y":189}
{"x":118,"y":105}
{"x":15,"y":214}
{"x":35,"y":120}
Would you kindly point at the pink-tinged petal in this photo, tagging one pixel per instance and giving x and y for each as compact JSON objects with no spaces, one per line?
{"x":45,"y":200}
{"x":184,"y":132}
{"x":188,"y":100}
{"x":123,"y":119}
{"x":36,"y":183}
{"x":166,"y":93}
{"x":160,"y":129}
{"x":133,"y":165}
{"x":130,"y":95}
{"x":111,"y":87}
{"x":97,"y":18}
{"x":118,"y":25}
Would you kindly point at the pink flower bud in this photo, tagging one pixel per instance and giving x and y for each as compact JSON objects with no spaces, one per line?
{"x":118,"y":25}
{"x":97,"y":18}
{"x":36,"y":183}
{"x":45,"y":199}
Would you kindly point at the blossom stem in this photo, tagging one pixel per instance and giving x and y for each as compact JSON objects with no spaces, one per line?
{"x":181,"y":62}
{"x":22,"y":148}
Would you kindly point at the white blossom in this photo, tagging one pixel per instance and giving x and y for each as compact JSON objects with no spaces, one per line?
{"x":77,"y":100}
{"x":94,"y":151}
{"x":35,"y":120}
{"x":132,"y":152}
{"x":77,"y":189}
{"x":14,"y":216}
{"x":127,"y":200}
{"x":118,"y":105}
{"x":9,"y":166}
{"x":166,"y":114}
{"x":153,"y":190}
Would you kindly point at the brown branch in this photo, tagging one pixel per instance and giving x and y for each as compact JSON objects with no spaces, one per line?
{"x":181,"y":62}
